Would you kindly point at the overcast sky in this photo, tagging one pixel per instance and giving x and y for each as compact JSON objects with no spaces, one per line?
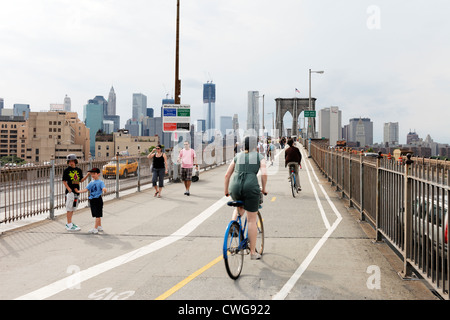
{"x":386,"y":60}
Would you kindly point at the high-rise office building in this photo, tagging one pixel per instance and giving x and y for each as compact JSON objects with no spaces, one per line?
{"x":253,"y":111}
{"x":235,"y":122}
{"x":209,"y":105}
{"x":19,"y":109}
{"x":166,"y":101}
{"x":390,"y":133}
{"x":330,"y":124}
{"x":100,"y":100}
{"x":139,"y":106}
{"x":412,"y":137}
{"x":111,"y":110}
{"x":201,"y":125}
{"x":2,"y":105}
{"x":226,"y":125}
{"x":360,"y":130}
{"x":93,"y":118}
{"x":67,"y":104}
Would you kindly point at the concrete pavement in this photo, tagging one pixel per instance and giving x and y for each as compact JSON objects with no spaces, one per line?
{"x":170,"y":248}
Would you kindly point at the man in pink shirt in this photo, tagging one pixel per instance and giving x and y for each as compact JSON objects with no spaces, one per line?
{"x":188,"y":159}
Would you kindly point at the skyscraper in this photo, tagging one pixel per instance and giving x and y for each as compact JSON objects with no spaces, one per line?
{"x":20,"y":108}
{"x":100,"y":100}
{"x":360,"y":130}
{"x":235,"y":122}
{"x":111,"y":110}
{"x":67,"y":104}
{"x":139,"y":106}
{"x":93,"y":119}
{"x":390,"y":133}
{"x":330,"y":124}
{"x":411,"y":137}
{"x":209,"y":105}
{"x":253,"y":111}
{"x":226,"y":124}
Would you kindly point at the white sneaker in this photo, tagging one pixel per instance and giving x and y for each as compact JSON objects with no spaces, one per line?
{"x":74,"y":227}
{"x":255,"y":256}
{"x":94,"y":231}
{"x":100,"y":228}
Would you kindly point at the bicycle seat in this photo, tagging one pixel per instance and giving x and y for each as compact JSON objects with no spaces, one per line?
{"x":237,"y":203}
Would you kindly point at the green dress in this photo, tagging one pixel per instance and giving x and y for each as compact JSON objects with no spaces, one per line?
{"x":244,"y":181}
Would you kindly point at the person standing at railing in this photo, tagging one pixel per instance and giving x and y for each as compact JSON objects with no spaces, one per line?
{"x":159,"y":169}
{"x":72,"y":178}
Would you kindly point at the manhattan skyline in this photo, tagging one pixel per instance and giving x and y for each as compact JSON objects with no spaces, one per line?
{"x":384,"y":61}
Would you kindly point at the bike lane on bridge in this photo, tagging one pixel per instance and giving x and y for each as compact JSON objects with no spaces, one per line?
{"x":170,"y":248}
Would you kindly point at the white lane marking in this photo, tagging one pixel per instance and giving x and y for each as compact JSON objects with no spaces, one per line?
{"x":93,"y":271}
{"x":286,"y":289}
{"x":319,"y":204}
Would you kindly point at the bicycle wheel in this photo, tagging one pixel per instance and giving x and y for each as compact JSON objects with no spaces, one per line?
{"x":232,"y":255}
{"x":260,"y":236}
{"x":293,"y":186}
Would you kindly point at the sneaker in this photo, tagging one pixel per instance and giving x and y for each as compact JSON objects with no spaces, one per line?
{"x":74,"y":227}
{"x":94,"y":231}
{"x":187,"y":193}
{"x":255,"y":256}
{"x":100,"y":228}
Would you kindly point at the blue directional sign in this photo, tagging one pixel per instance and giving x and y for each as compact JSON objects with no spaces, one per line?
{"x":170,"y":112}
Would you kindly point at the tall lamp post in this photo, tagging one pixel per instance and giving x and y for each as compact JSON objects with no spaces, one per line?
{"x":177,"y":62}
{"x":311,"y":128}
{"x":262,"y":114}
{"x":311,"y":124}
{"x":273,"y":122}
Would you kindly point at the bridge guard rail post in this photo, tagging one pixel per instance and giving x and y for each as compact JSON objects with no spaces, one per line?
{"x":52,"y":188}
{"x":379,"y":237}
{"x":139,"y":175}
{"x":361,"y":187}
{"x":117,"y":175}
{"x":407,"y":268}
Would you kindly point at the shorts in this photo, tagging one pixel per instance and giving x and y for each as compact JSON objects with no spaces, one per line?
{"x":96,"y":207}
{"x":71,"y":204}
{"x":186,"y":174}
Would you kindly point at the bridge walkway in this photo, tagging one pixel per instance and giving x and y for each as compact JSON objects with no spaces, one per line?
{"x":170,"y":248}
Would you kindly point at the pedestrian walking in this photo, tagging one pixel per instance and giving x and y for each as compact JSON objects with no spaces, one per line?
{"x":96,"y":188}
{"x":188,"y":159}
{"x":72,"y":178}
{"x":159,"y":169}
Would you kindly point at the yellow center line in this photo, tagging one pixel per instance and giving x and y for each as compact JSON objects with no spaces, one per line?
{"x":184,"y":282}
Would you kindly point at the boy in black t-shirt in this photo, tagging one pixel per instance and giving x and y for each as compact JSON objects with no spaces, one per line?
{"x":72,"y":178}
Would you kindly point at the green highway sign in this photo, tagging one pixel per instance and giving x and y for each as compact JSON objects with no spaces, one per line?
{"x":310,"y":113}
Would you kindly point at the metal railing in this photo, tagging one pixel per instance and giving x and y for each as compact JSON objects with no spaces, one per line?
{"x":35,"y":190}
{"x":405,"y":201}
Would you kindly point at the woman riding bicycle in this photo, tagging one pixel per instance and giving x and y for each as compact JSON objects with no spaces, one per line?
{"x":241,"y":182}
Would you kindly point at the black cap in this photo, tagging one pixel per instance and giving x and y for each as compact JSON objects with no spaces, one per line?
{"x":96,"y":170}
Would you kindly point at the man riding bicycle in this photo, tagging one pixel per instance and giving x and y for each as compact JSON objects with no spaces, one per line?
{"x":293,"y":157}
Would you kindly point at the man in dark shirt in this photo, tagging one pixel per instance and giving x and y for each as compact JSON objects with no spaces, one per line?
{"x":292,"y":156}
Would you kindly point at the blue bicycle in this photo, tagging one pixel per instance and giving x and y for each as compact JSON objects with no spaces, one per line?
{"x":236,"y":242}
